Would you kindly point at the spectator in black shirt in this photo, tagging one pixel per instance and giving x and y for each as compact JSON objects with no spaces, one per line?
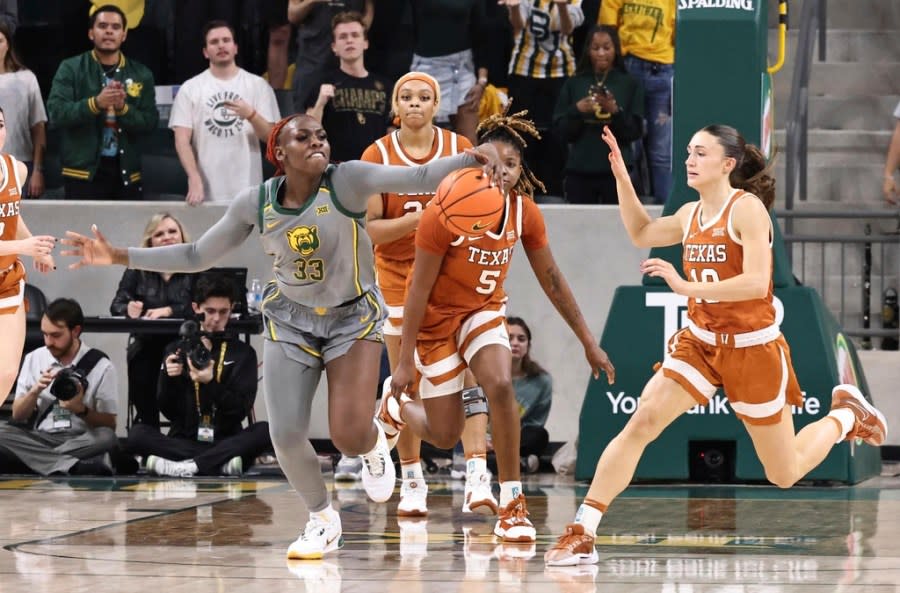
{"x":151,"y":295}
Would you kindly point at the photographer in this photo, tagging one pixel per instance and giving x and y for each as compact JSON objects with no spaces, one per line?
{"x":64,"y":413}
{"x":207,"y":386}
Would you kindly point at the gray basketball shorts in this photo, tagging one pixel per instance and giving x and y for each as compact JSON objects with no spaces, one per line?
{"x":321,"y":334}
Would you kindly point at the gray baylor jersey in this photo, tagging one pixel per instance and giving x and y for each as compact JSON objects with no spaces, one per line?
{"x":318,"y":241}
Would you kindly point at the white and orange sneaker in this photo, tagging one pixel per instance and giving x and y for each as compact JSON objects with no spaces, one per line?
{"x":413,"y":498}
{"x":513,"y":525}
{"x":574,"y":547}
{"x":389,"y":424}
{"x":479,"y":495}
{"x":871,"y":425}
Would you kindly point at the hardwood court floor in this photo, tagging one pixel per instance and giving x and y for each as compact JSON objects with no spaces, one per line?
{"x":143,"y":535}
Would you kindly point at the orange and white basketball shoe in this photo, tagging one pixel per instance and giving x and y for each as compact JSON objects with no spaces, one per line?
{"x":513,"y":525}
{"x":387,"y":414}
{"x":574,"y":547}
{"x":871,"y":425}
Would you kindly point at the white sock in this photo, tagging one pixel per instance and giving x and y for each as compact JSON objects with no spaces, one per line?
{"x":476,"y":465}
{"x":411,"y":471}
{"x":509,"y":491}
{"x":327,"y":514}
{"x":846,"y":419}
{"x":588,"y":517}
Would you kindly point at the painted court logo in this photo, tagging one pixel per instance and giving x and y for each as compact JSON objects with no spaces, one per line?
{"x":222,"y":122}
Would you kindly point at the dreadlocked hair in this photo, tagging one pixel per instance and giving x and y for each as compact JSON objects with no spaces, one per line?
{"x":272,"y":142}
{"x":510,"y":129}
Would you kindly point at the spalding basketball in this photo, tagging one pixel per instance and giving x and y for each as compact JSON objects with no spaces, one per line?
{"x":467,"y":204}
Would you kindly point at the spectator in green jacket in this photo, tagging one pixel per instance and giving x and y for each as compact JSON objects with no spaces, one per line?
{"x":101,"y":102}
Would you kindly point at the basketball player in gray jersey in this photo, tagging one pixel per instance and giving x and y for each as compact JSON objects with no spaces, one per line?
{"x":323,"y":309}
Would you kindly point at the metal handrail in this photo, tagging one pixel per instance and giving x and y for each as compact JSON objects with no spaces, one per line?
{"x":812,"y":20}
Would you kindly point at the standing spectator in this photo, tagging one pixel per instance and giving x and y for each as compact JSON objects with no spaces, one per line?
{"x":279,"y":32}
{"x":600,"y":94}
{"x":207,"y":405}
{"x":390,"y":52}
{"x":101,"y":102}
{"x":534,"y":394}
{"x":892,"y":163}
{"x":219,"y":118}
{"x":647,"y":32}
{"x":26,"y":120}
{"x":449,"y":45}
{"x":62,"y":424}
{"x":314,"y":55}
{"x":151,"y":295}
{"x":353,"y":103}
{"x":541,"y":61}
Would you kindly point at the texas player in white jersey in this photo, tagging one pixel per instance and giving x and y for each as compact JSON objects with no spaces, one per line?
{"x":731,"y":341}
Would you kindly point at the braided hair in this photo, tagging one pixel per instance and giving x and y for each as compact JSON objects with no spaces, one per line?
{"x":510,"y":129}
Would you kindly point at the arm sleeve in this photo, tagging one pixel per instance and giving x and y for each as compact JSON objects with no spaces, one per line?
{"x":65,"y":106}
{"x":355,"y":181}
{"x":27,"y":376}
{"x":576,"y":13}
{"x":227,"y":234}
{"x":126,"y":292}
{"x":182,"y":106}
{"x":140,"y":114}
{"x":268,"y":104}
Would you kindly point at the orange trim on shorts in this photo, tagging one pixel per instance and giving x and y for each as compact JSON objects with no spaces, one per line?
{"x":686,"y":385}
{"x":444,"y":377}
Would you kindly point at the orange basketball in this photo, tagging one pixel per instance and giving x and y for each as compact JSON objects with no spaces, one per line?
{"x":467,"y":204}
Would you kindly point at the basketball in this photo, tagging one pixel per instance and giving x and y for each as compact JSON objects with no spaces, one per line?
{"x":467,"y":204}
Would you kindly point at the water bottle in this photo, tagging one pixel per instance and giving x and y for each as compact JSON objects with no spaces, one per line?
{"x":254,"y":295}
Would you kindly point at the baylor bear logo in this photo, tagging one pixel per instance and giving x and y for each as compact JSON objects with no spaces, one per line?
{"x":304,"y":239}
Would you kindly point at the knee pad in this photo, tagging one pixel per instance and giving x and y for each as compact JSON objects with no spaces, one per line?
{"x":474,"y":401}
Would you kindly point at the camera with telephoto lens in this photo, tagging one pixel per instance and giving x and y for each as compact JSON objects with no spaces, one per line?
{"x":65,"y":384}
{"x":191,"y":347}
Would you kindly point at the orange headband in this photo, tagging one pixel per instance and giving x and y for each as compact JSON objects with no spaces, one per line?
{"x":421,"y":77}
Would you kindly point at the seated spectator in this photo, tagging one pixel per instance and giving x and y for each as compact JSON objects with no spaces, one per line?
{"x":219,"y":118}
{"x":600,"y":94}
{"x":892,"y":163}
{"x":534,"y":393}
{"x":206,"y":402}
{"x":101,"y":104}
{"x":353,"y":103}
{"x":151,"y":295}
{"x":64,"y":412}
{"x":26,"y":120}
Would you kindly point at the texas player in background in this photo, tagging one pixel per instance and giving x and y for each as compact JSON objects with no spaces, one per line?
{"x":454,"y":318}
{"x":391,"y":221}
{"x":15,"y":240}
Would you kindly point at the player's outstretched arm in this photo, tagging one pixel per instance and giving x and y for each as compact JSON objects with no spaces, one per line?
{"x":93,"y":251}
{"x":560,"y":294}
{"x":642,"y":229}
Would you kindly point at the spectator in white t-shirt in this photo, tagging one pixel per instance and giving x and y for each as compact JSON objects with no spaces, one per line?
{"x":219,"y":118}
